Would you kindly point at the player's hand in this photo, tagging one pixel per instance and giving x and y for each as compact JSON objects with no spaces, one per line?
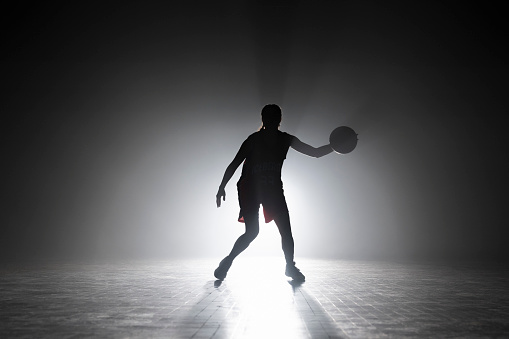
{"x":220,"y":193}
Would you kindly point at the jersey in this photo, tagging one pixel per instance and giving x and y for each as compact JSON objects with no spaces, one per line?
{"x":265,"y":154}
{"x":260,"y":181}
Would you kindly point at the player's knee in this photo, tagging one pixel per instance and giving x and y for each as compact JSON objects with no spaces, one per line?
{"x":252,"y":227}
{"x":252,"y":233}
{"x":287,"y":238}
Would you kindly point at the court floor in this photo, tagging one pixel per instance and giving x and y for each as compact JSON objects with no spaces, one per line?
{"x":182,"y":299}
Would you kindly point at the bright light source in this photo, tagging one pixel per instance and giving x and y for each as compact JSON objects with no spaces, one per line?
{"x":266,"y":305}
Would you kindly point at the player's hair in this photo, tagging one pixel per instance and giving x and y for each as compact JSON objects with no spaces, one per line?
{"x":271,"y":116}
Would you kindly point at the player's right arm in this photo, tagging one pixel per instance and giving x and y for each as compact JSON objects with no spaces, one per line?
{"x":230,"y":170}
{"x":315,"y":152}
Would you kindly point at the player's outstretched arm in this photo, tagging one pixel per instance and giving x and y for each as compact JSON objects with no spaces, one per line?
{"x":230,"y":170}
{"x":315,"y":152}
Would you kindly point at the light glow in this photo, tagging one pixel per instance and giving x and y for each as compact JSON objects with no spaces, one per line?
{"x":265,"y":307}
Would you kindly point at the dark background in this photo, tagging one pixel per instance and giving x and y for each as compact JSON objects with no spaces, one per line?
{"x":119,"y":120}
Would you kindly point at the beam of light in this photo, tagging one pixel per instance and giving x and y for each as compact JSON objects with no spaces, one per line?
{"x":266,"y":306}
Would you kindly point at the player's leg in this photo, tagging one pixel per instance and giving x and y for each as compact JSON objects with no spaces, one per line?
{"x":252,"y":229}
{"x":282,"y":220}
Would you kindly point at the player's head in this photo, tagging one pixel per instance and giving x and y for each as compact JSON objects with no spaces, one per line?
{"x":271,"y":116}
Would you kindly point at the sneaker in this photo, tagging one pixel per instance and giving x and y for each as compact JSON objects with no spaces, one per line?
{"x":222,"y":269}
{"x":294,"y":273}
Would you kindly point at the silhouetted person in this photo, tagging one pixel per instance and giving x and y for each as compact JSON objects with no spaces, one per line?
{"x":263,"y":153}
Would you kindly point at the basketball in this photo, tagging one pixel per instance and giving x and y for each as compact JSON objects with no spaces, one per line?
{"x":343,"y":140}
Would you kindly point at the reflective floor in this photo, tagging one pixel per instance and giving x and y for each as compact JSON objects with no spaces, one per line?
{"x":181,"y":299}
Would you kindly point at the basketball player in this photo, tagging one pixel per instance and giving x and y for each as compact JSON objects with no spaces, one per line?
{"x":263,"y":153}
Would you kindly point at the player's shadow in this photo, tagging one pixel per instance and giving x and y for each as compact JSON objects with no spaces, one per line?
{"x":309,"y":310}
{"x":296,"y":284}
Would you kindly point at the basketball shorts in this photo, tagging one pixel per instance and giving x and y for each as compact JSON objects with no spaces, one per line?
{"x":271,"y":197}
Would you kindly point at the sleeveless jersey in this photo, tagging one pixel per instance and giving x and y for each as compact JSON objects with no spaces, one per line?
{"x":266,"y":152}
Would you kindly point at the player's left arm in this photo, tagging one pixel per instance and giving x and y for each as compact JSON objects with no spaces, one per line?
{"x":315,"y":152}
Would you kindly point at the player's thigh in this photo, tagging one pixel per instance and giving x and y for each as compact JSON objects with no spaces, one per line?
{"x":252,"y":224}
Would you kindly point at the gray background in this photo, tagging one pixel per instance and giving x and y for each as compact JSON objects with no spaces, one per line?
{"x":118,"y":123}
